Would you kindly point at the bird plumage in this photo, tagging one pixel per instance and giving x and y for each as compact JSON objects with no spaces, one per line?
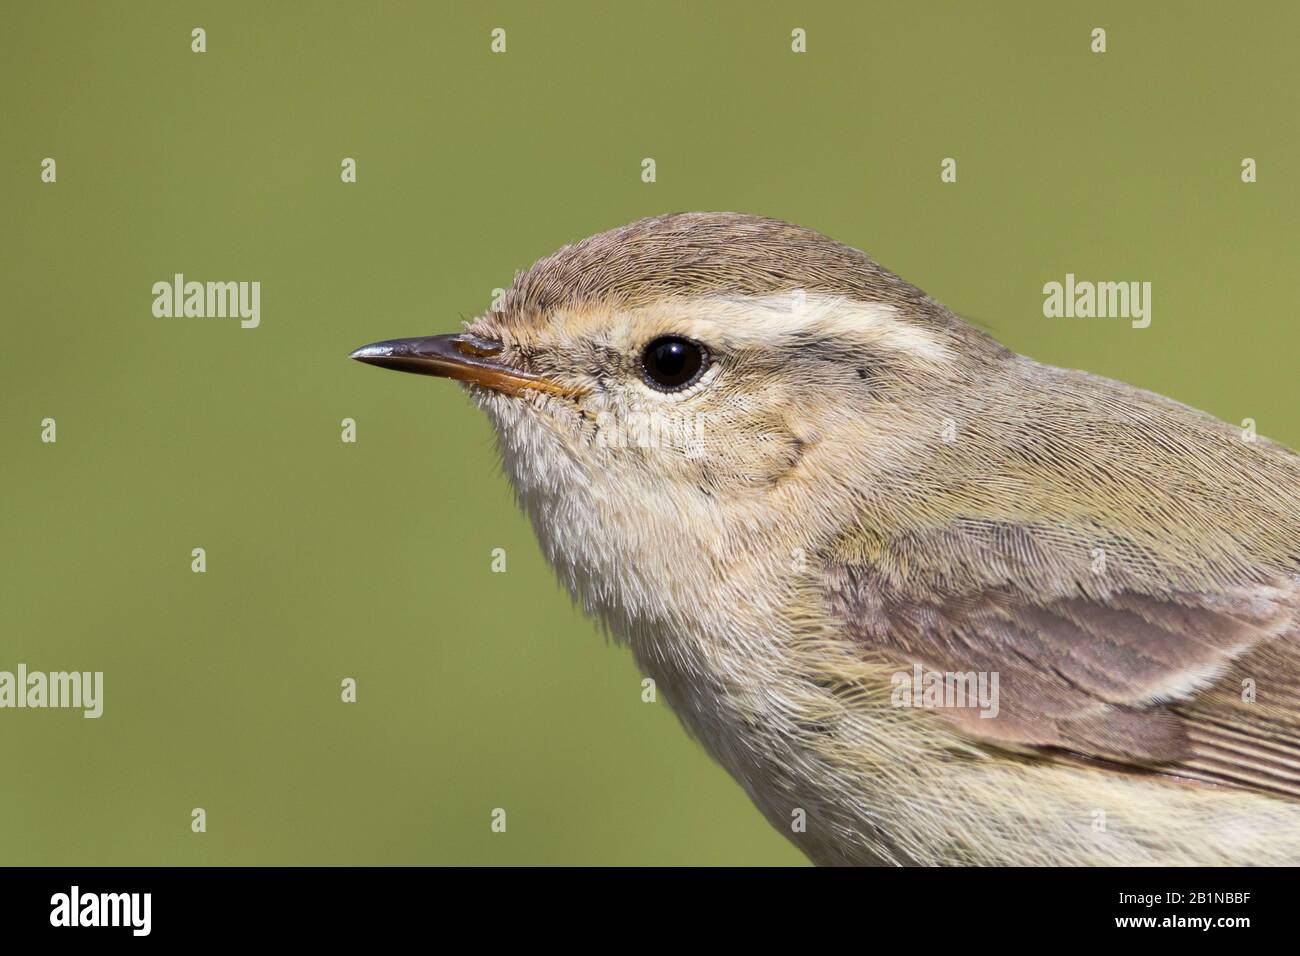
{"x":1126,"y":564}
{"x":871,"y":485}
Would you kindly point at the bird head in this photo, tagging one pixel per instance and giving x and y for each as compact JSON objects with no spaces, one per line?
{"x":701,"y":356}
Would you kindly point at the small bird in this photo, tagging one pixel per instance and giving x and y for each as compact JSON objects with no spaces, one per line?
{"x":930,"y":602}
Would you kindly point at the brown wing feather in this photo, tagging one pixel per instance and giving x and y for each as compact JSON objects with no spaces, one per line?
{"x":1245,"y":729}
{"x":1152,"y":681}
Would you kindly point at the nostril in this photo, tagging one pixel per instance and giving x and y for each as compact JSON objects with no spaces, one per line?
{"x":481,"y":348}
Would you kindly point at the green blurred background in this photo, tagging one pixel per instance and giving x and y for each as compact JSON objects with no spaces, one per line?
{"x":327,"y":560}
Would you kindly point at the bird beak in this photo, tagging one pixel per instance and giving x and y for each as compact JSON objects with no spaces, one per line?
{"x":463,"y":357}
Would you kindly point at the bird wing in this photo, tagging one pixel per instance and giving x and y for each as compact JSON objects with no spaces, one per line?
{"x":1139,"y":671}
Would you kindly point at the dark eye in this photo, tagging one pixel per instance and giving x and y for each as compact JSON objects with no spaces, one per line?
{"x":671,"y":363}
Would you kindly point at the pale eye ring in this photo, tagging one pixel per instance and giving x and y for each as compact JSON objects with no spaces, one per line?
{"x":671,"y":363}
